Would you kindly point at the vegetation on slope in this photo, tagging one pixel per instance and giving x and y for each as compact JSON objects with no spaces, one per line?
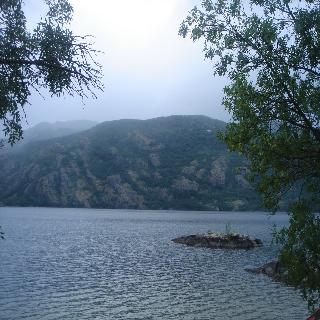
{"x":175,"y":162}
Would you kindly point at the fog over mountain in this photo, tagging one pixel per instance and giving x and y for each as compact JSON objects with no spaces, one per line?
{"x":172,"y":162}
{"x":149,"y":70}
{"x":46,"y":130}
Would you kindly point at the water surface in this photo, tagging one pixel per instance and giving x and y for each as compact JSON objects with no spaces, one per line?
{"x":119,"y":264}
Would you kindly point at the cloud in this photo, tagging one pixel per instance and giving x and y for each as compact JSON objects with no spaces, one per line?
{"x":149,"y":70}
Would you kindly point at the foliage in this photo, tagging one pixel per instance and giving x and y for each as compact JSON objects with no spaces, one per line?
{"x":49,"y":57}
{"x":301,"y":251}
{"x":270,"y":51}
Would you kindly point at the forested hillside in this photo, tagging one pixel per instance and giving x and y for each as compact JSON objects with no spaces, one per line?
{"x":172,"y":162}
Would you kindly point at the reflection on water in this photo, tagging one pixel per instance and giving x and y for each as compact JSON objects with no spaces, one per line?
{"x":118,"y":264}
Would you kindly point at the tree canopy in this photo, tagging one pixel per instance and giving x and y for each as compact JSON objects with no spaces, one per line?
{"x":49,"y":57}
{"x":270,"y":51}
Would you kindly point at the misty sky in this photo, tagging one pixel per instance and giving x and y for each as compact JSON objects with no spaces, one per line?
{"x":149,"y":70}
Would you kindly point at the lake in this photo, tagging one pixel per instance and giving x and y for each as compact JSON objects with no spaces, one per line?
{"x":120,"y":264}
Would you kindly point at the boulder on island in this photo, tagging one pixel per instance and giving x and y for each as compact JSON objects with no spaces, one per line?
{"x":219,"y":241}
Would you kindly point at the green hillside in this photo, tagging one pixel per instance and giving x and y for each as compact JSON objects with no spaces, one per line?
{"x":172,"y":162}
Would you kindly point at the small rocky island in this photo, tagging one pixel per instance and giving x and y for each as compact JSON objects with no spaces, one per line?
{"x":219,"y":241}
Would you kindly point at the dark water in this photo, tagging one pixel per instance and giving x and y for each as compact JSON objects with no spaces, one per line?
{"x":115,"y":264}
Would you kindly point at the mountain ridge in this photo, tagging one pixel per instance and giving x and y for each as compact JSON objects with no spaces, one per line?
{"x":173,"y":162}
{"x":46,"y":131}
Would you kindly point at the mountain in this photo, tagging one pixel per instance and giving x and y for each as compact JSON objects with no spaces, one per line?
{"x":46,"y":130}
{"x":174,"y":162}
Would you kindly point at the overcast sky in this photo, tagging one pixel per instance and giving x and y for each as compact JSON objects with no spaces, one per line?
{"x":149,"y":70}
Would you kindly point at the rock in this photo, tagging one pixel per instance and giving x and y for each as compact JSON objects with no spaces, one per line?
{"x":271,"y":269}
{"x":219,"y":241}
{"x":315,"y":316}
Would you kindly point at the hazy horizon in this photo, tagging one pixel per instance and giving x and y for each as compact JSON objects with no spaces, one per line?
{"x":101,"y":120}
{"x":149,"y":70}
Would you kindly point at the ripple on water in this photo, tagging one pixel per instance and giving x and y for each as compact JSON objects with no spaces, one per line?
{"x":109,"y":264}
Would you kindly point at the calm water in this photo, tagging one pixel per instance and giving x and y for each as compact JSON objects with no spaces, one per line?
{"x":118,"y":264}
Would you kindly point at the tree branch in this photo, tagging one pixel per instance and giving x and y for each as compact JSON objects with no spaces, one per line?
{"x":42,"y":63}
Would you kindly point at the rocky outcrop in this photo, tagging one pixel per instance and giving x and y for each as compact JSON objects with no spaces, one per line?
{"x":167,"y":163}
{"x":271,"y":269}
{"x":219,"y":241}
